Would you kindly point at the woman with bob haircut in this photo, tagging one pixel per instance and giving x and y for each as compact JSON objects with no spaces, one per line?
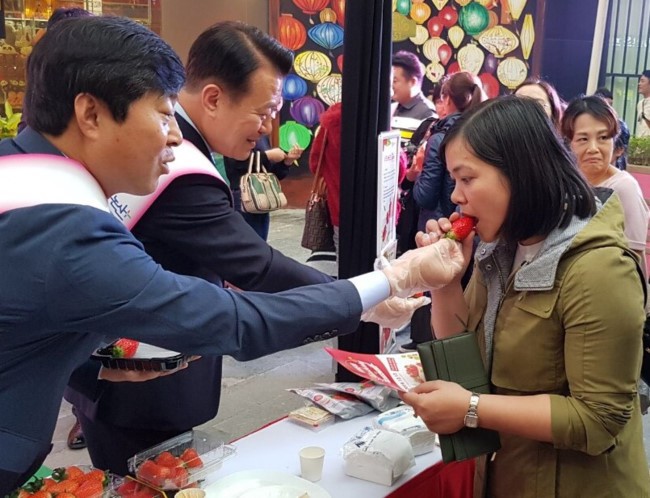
{"x":545,"y":95}
{"x":556,"y":302}
{"x":591,"y":127}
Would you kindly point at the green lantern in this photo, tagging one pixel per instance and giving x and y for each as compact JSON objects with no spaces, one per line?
{"x":292,"y":133}
{"x":474,"y":18}
{"x":404,"y":7}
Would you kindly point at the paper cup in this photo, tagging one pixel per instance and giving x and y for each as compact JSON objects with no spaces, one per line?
{"x":311,"y":463}
{"x":191,"y":493}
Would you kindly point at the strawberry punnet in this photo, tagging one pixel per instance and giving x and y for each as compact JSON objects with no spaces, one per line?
{"x":461,"y":228}
{"x":124,"y":348}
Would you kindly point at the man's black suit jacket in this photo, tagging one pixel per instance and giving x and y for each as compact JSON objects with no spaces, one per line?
{"x":191,"y":229}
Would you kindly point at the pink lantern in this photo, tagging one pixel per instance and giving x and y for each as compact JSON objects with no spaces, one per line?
{"x":449,"y":16}
{"x":490,"y":84}
{"x":444,"y":53}
{"x":435,"y":26}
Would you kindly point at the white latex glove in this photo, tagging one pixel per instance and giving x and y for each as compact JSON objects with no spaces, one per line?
{"x":425,"y":268}
{"x":394,"y":312}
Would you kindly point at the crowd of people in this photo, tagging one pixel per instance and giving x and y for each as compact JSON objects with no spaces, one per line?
{"x":553,"y":280}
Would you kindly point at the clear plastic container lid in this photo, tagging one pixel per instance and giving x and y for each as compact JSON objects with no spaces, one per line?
{"x":181,"y":462}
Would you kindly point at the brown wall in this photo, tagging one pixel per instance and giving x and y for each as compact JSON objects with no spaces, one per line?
{"x":183,"y":20}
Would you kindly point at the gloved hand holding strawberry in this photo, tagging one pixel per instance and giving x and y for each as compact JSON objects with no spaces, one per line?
{"x":425,"y":268}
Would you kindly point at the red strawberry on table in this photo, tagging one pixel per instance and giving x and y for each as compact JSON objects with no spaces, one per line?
{"x":124,"y":348}
{"x":191,"y":458}
{"x":461,"y":228}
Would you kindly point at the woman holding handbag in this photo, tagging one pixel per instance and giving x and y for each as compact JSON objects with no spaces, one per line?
{"x":275,"y":161}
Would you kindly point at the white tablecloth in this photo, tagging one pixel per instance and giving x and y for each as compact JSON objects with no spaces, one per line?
{"x":276,"y":447}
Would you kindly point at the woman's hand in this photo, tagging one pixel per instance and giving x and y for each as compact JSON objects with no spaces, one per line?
{"x":436,"y":229}
{"x":441,"y":405}
{"x":416,"y":165}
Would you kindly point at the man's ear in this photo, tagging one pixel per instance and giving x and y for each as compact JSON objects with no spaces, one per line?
{"x":212,"y":96}
{"x":87,"y":114}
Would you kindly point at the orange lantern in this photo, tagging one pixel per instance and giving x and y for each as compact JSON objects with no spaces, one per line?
{"x":327,"y":15}
{"x":293,"y":34}
{"x":493,"y":19}
{"x":339,"y":8}
{"x":420,"y":12}
{"x":527,"y":36}
{"x":311,"y":6}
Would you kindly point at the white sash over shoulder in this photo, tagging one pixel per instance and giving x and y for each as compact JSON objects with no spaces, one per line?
{"x":188,"y":160}
{"x":28,"y":180}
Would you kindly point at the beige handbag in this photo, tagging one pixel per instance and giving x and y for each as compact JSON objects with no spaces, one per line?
{"x":260,"y":190}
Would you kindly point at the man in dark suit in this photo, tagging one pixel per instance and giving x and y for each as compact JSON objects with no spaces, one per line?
{"x":73,"y":275}
{"x":231,"y":95}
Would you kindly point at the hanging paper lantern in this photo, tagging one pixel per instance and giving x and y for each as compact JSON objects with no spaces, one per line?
{"x":453,"y":68}
{"x":292,"y":133}
{"x":430,"y":48}
{"x":448,"y":16}
{"x":292,"y":33}
{"x":434,"y":72}
{"x":328,"y":35}
{"x":516,"y":7}
{"x":307,"y":110}
{"x":490,"y":64}
{"x":312,"y":65}
{"x":404,"y":7}
{"x":527,"y":36}
{"x":311,"y":6}
{"x":470,"y":58}
{"x":435,"y":26}
{"x":327,"y":15}
{"x":512,"y":72}
{"x":490,"y":85}
{"x":456,"y":35}
{"x":330,"y":88}
{"x":339,"y":62}
{"x":473,"y":18}
{"x":493,"y":19}
{"x":421,"y":35}
{"x":417,"y":1}
{"x":488,"y":4}
{"x":403,"y":27}
{"x":462,"y":3}
{"x":339,"y":9}
{"x":439,"y":4}
{"x":444,"y":54}
{"x":420,"y":12}
{"x":293,"y":87}
{"x":499,"y":41}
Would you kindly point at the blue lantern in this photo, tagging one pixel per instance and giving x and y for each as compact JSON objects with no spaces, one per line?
{"x":293,"y":87}
{"x":328,"y":35}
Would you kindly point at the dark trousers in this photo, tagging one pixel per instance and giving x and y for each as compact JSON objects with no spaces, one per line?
{"x":110,"y":447}
{"x":421,"y":325}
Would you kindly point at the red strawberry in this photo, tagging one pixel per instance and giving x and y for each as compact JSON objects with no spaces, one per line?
{"x":191,"y":458}
{"x":461,"y":228}
{"x":124,"y":348}
{"x":166,"y":459}
{"x":153,"y":473}
{"x":65,"y":486}
{"x":179,"y":477}
{"x":90,"y":489}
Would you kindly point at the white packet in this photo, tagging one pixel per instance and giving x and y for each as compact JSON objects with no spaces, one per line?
{"x":402,"y":420}
{"x":344,"y":405}
{"x":379,"y":397}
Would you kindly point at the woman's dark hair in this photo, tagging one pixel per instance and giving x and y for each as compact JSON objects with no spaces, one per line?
{"x":596,"y":107}
{"x":464,"y":89}
{"x":546,"y":188}
{"x":229,"y":52}
{"x":556,"y":103}
{"x":112,"y":58}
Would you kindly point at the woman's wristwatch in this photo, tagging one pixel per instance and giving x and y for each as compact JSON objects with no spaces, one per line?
{"x":471,"y":417}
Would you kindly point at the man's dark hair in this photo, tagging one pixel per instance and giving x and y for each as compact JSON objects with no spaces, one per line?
{"x":410,"y":64}
{"x":515,"y":136}
{"x":66,"y":13}
{"x":112,"y":58}
{"x":604,"y":92}
{"x":646,"y":73}
{"x":228,"y":52}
